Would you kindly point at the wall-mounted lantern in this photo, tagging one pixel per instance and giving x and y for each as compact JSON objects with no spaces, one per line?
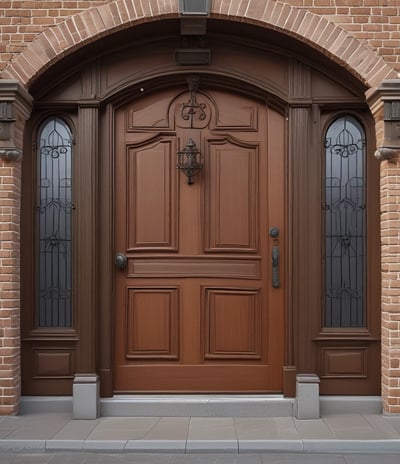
{"x":193,"y":25}
{"x":194,"y":7}
{"x":189,"y":160}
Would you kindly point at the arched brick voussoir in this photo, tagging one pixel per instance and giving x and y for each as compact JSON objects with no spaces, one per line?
{"x":314,"y":30}
{"x":79,"y":30}
{"x":305,"y":26}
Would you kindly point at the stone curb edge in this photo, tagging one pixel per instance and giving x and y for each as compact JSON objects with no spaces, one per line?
{"x":205,"y":446}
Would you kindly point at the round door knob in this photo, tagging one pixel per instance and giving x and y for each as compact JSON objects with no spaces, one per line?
{"x":274,"y":232}
{"x":121,"y":260}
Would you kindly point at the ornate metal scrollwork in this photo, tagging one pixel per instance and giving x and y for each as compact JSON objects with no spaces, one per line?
{"x":54,"y":211}
{"x":344,"y":210}
{"x":193,"y":109}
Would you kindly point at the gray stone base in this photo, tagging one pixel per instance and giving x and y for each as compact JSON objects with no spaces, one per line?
{"x":86,"y":397}
{"x":307,"y":396}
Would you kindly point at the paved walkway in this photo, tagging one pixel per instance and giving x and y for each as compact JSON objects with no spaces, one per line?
{"x":333,"y":433}
{"x":137,"y":458}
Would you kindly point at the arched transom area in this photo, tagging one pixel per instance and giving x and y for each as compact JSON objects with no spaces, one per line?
{"x":97,"y":22}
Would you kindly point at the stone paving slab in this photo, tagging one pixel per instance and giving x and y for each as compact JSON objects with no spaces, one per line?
{"x":334,"y":433}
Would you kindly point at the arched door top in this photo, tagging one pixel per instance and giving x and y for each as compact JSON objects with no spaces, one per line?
{"x":83,"y":28}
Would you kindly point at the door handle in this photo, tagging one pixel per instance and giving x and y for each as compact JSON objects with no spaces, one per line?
{"x":121,"y":260}
{"x":274,"y":233}
{"x":275,"y":267}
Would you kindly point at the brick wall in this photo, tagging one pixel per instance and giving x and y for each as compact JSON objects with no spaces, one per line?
{"x":22,"y":20}
{"x":390,"y":232}
{"x":15,"y":107}
{"x":374,"y":22}
{"x":10,"y":191}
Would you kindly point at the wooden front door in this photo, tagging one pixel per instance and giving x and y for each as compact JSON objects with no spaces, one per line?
{"x":196,"y":309}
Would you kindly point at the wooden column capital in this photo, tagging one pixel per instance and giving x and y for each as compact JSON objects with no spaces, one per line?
{"x":15,"y":109}
{"x":384,"y":102}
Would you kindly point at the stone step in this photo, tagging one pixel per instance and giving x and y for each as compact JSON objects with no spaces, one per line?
{"x":199,"y":406}
{"x":202,"y":405}
{"x":172,"y":405}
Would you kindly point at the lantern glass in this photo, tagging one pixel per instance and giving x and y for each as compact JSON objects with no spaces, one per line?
{"x":194,"y":7}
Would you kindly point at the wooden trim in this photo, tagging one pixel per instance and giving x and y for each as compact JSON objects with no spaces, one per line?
{"x":85,"y":278}
{"x":106,"y":257}
{"x":39,"y":341}
{"x":289,"y":381}
{"x":95,"y":156}
{"x":299,"y":129}
{"x":365,"y":340}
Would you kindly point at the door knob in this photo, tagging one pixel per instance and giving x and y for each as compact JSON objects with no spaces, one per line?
{"x":274,"y":232}
{"x":121,"y":260}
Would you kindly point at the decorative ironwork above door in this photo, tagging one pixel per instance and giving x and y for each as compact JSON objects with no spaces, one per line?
{"x":195,"y":111}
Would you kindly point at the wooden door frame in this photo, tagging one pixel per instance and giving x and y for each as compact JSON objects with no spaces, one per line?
{"x":308,"y":341}
{"x":305,"y":115}
{"x":106,"y":173}
{"x":304,"y":336}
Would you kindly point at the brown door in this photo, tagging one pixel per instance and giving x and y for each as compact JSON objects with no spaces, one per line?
{"x":196,"y":309}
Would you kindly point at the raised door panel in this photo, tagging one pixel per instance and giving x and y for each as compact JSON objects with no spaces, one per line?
{"x":236,"y":114}
{"x":152,"y":323}
{"x":232,"y":323}
{"x":347,"y":362}
{"x":152,"y":196}
{"x":53,"y":363}
{"x":231,"y":203}
{"x":49,"y":367}
{"x":195,"y":266}
{"x":149,"y":115}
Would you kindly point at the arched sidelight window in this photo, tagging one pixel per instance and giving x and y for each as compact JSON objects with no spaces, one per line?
{"x":54,"y":224}
{"x":345,"y":224}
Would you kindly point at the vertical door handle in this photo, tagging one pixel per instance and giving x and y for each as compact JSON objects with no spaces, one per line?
{"x":121,"y":260}
{"x":275,"y":267}
{"x":274,"y":233}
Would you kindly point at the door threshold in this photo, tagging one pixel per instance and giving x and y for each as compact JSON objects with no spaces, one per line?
{"x":199,"y":405}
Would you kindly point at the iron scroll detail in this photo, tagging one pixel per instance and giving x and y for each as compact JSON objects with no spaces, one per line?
{"x":193,"y":109}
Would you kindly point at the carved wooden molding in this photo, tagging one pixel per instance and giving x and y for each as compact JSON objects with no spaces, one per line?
{"x":15,"y":108}
{"x":385,"y":104}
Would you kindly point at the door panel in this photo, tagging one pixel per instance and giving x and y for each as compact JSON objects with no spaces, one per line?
{"x":195,"y":308}
{"x":152,"y":323}
{"x":232,"y":323}
{"x":151,"y":185}
{"x":231,"y":197}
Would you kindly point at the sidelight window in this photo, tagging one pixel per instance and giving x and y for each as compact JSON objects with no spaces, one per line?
{"x":54,"y":224}
{"x":345,"y":218}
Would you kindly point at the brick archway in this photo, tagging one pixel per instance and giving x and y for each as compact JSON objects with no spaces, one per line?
{"x":87,"y":26}
{"x":81,"y":29}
